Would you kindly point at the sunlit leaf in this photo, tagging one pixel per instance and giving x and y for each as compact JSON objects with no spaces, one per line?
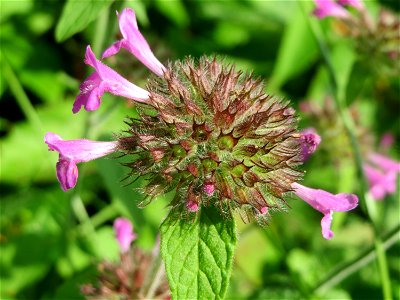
{"x":77,"y":15}
{"x":298,"y":49}
{"x":198,"y":255}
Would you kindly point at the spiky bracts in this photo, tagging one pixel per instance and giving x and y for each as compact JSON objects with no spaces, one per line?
{"x":214,"y":137}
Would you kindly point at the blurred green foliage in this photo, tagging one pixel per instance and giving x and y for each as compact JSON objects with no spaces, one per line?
{"x":50,"y":241}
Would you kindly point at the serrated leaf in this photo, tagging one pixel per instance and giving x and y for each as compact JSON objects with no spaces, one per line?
{"x":198,"y":254}
{"x":76,"y":15}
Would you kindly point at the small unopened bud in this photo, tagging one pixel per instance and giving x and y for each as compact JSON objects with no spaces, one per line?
{"x":192,"y":206}
{"x":209,"y":188}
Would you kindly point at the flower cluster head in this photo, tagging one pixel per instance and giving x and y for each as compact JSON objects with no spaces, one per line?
{"x":127,"y":278}
{"x":205,"y":131}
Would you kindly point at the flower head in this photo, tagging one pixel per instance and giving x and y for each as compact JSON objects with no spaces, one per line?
{"x":73,"y":152}
{"x":104,"y":79}
{"x":134,"y":42}
{"x":124,"y":233}
{"x":218,"y":138}
{"x":325,"y":203}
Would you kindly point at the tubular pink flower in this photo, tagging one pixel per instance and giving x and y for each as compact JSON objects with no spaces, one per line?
{"x":381,"y":172}
{"x":329,"y":8}
{"x":123,"y":229}
{"x":385,"y":163}
{"x":73,"y":152}
{"x":357,"y":4}
{"x":134,"y":42}
{"x":310,"y":141}
{"x":380,"y":183}
{"x":104,"y":79}
{"x":325,"y":203}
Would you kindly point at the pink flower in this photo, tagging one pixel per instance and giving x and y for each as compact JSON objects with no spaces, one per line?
{"x":329,"y":8}
{"x":134,"y":42}
{"x":385,"y":163}
{"x":124,"y":233}
{"x":104,"y":79}
{"x":380,"y":183}
{"x":73,"y":152}
{"x":325,"y":203}
{"x":381,"y":173}
{"x":310,"y":141}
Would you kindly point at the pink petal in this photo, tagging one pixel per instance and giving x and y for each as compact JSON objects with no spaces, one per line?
{"x":209,"y":188}
{"x":326,"y":222}
{"x":103,"y":80}
{"x":134,"y":42}
{"x":67,"y":174}
{"x":73,"y":152}
{"x":90,"y":94}
{"x":326,"y":203}
{"x":380,"y":182}
{"x":192,"y":206}
{"x":123,"y":229}
{"x":329,"y":8}
{"x":384,"y":162}
{"x":309,"y":142}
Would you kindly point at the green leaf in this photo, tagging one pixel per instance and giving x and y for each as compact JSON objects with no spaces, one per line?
{"x":198,"y":254}
{"x":174,"y":10}
{"x":343,"y":58}
{"x":359,"y":79}
{"x":297,"y":51}
{"x":77,"y":15}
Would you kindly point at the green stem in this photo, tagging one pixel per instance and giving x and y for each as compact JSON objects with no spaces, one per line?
{"x":343,"y":271}
{"x":104,"y":215}
{"x":350,"y":129}
{"x":20,"y":96}
{"x":154,"y":275}
{"x":82,"y":215}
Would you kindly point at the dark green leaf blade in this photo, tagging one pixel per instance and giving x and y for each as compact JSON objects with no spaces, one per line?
{"x":77,"y":15}
{"x":198,"y":254}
